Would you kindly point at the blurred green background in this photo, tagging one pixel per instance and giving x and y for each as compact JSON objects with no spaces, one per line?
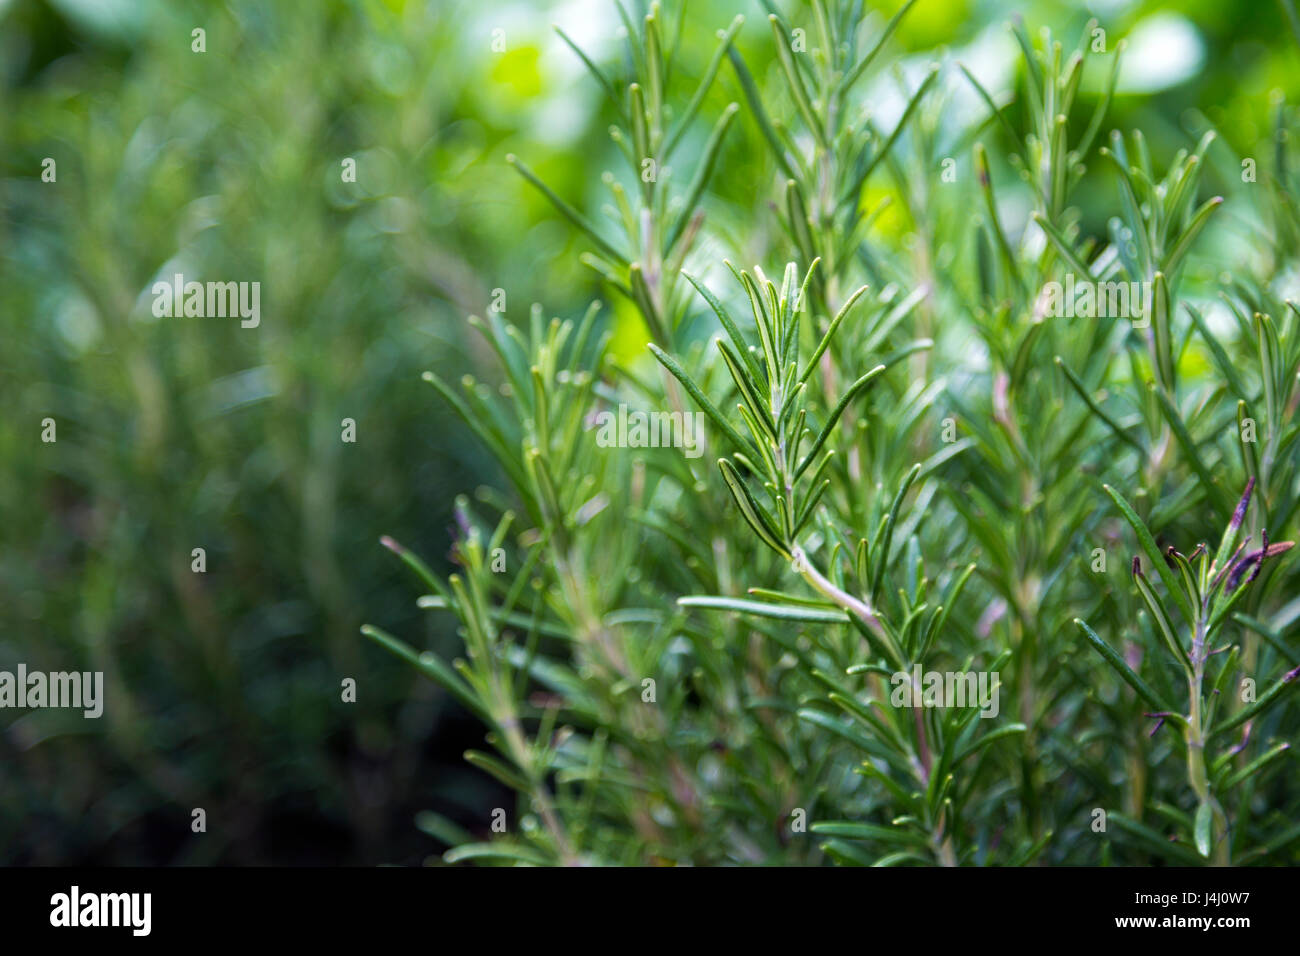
{"x":174,"y":434}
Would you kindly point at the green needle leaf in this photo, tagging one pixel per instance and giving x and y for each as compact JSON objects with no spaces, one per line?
{"x":1154,"y":554}
{"x":784,"y":612}
{"x":1122,"y":669}
{"x":569,"y":213}
{"x":701,"y":399}
{"x":849,"y":395}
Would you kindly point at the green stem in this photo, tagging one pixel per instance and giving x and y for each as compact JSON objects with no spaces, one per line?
{"x":1195,"y":735}
{"x":855,"y":606}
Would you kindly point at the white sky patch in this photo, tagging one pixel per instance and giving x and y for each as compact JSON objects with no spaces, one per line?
{"x":1109,"y":9}
{"x":1164,"y":50}
{"x":559,"y":120}
{"x":1287,"y":284}
{"x":594,"y":26}
{"x":78,"y":323}
{"x":1219,"y":319}
{"x":991,"y":58}
{"x":569,"y":92}
{"x":882,"y":97}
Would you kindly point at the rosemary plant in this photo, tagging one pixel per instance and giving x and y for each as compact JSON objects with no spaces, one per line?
{"x":929,"y":467}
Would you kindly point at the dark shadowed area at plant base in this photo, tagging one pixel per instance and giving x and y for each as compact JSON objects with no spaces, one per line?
{"x":656,"y":907}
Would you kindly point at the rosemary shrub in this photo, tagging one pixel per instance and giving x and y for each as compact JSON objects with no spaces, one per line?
{"x":932,"y":468}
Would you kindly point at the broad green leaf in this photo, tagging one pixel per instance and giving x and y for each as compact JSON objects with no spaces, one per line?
{"x":1202,"y":827}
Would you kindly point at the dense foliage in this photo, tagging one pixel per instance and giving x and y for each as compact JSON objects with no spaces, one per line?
{"x":923,"y":456}
{"x":927,"y":467}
